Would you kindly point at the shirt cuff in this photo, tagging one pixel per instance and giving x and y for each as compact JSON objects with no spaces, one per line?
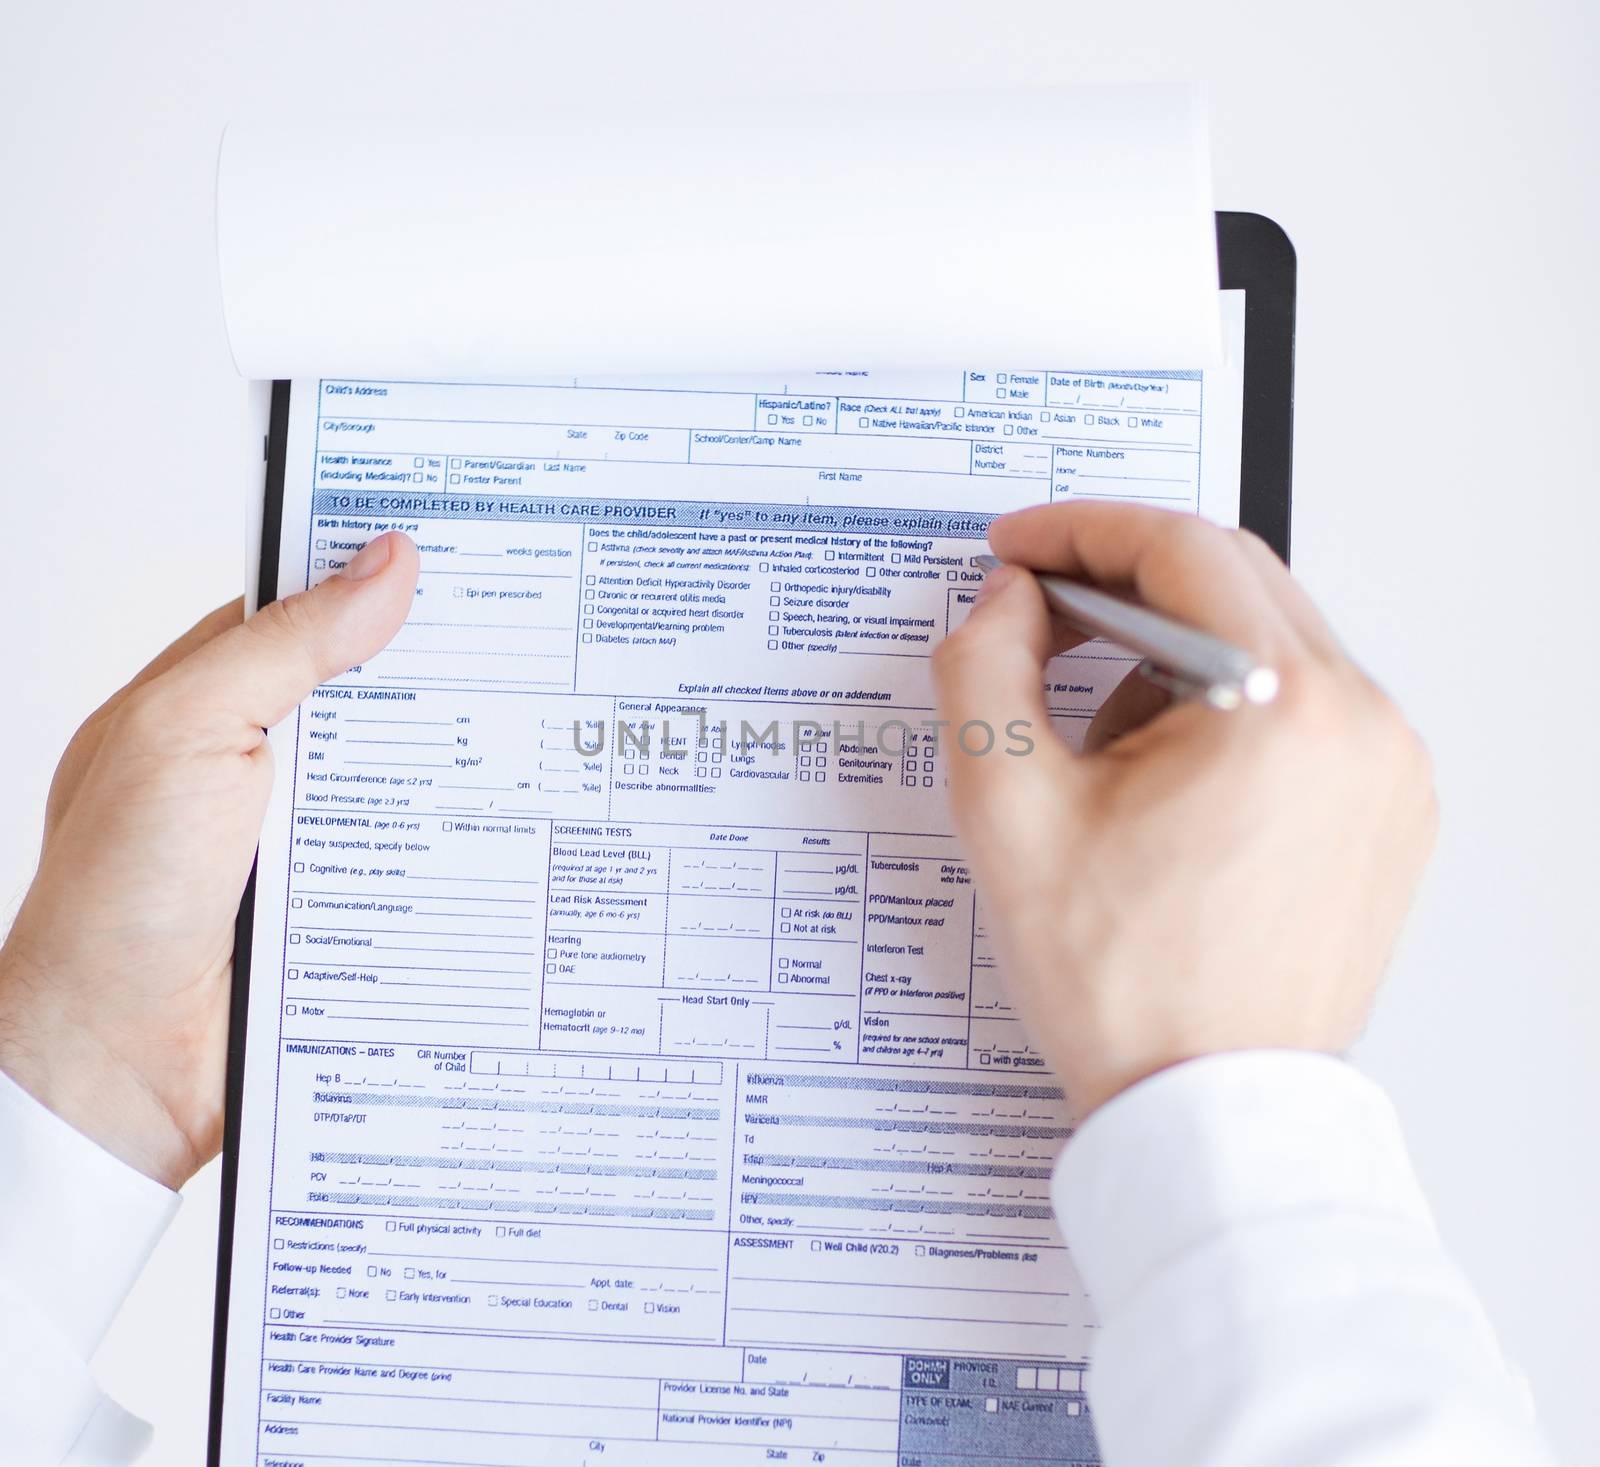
{"x":77,"y":1225}
{"x":1208,"y":1146}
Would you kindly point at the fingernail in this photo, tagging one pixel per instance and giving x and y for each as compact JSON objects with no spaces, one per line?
{"x":369,"y":560}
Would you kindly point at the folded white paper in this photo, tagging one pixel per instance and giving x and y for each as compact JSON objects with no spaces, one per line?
{"x":918,"y":231}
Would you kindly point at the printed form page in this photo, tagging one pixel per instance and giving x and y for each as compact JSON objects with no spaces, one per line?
{"x":628,"y":1077}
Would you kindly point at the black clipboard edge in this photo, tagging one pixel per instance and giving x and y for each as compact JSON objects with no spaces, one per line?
{"x":1254,"y":254}
{"x":275,"y":451}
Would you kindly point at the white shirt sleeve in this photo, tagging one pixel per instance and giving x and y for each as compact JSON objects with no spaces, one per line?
{"x":1270,"y":1286}
{"x":76,"y":1229}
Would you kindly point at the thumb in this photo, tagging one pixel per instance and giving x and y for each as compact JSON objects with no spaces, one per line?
{"x":259,"y":670}
{"x":990,"y":679}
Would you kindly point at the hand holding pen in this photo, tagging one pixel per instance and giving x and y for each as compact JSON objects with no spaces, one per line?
{"x":1193,"y":881}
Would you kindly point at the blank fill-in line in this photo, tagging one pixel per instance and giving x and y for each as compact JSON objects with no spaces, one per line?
{"x":389,"y":896}
{"x":390,"y":764}
{"x":422,"y":932}
{"x":413,"y":1003}
{"x":1164,"y":498}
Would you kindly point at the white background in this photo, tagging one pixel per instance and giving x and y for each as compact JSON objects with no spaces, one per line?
{"x":1435,"y":165}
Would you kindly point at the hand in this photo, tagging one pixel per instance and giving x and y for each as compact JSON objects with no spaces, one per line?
{"x":1195,"y":881}
{"x":114,"y":978}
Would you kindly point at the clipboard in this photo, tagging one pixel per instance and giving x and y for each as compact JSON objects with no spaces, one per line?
{"x":1254,"y":256}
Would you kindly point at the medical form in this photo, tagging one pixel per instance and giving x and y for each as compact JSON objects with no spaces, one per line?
{"x":628,"y":1076}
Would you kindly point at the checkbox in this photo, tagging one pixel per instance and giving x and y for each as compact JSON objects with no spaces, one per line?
{"x":588,"y":580}
{"x":390,"y":1226}
{"x":290,"y":1010}
{"x":322,"y":544}
{"x":785,"y":926}
{"x":772,"y":616}
{"x":296,"y":902}
{"x":411,"y":1273}
{"x":772,"y":646}
{"x":299,"y":865}
{"x":549,"y":967}
{"x":1027,"y":1378}
{"x":809,"y":420}
{"x":990,"y":1404}
{"x":772,"y":418}
{"x":494,"y":1300}
{"x":921,"y":1251}
{"x":949,"y":575}
{"x":1000,"y":392}
{"x":458,"y":591}
{"x":416,"y":478}
{"x":983,"y":1059}
{"x":764,"y":568}
{"x":274,"y":1314}
{"x":455,"y":463}
{"x":961,"y":412}
{"x":447,"y":825}
{"x":294,"y":973}
{"x":500,"y":1232}
{"x":594,"y":1306}
{"x":1001,"y":378}
{"x":872,"y":570}
{"x":588,"y":636}
{"x":863,"y":422}
{"x":816,"y":1245}
{"x":1044,"y":417}
{"x":416,"y":463}
{"x":391,"y":1295}
{"x":649,"y":1308}
{"x":772,"y":601}
{"x":895,"y":557}
{"x":372,"y":1268}
{"x":277,"y":1243}
{"x":338,"y":1293}
{"x":319,"y":564}
{"x":786,"y":912}
{"x":1007,"y":430}
{"x":783,"y":978}
{"x":294,"y":937}
{"x":455,"y":478}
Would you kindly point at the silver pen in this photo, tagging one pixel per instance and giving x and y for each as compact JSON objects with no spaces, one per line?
{"x":1187,"y":662}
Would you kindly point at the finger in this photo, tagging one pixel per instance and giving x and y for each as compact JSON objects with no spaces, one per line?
{"x":1177,"y":563}
{"x":1300,"y":610}
{"x":1132,"y":704}
{"x":990,"y":679}
{"x":252,"y":676}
